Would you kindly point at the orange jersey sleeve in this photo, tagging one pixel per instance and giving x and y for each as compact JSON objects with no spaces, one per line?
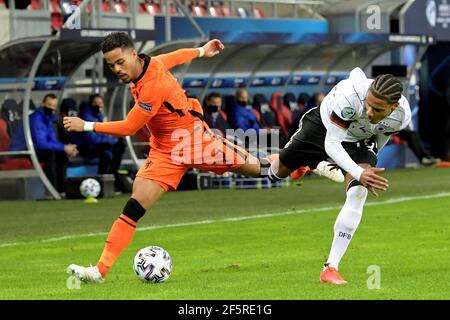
{"x":142,"y":112}
{"x":177,"y":57}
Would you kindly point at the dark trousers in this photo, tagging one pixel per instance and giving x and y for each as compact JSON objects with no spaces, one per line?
{"x":109,"y":155}
{"x":55,"y":167}
{"x":414,"y":143}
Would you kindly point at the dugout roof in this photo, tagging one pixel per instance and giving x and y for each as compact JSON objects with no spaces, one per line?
{"x":47,"y":63}
{"x":249,"y":55}
{"x":25,"y":62}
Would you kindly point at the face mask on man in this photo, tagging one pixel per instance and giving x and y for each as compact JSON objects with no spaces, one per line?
{"x":242,"y":102}
{"x":95,"y":108}
{"x":48,"y":111}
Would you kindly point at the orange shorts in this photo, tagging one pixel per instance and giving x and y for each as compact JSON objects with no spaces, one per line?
{"x":212,"y":153}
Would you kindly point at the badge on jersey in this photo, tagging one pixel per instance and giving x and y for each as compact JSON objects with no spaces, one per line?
{"x":384,"y":127}
{"x":348,"y":113}
{"x":145,"y":106}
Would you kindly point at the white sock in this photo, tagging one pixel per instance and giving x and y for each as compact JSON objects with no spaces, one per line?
{"x":273,"y":172}
{"x":346,"y":224}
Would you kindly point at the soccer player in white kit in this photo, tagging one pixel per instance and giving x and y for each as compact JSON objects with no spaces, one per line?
{"x":354,"y":121}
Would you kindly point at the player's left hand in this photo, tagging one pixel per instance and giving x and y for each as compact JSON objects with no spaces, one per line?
{"x":73,"y":124}
{"x":213,"y":48}
{"x":372,"y":181}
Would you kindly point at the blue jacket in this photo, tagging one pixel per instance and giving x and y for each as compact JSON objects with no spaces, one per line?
{"x":242,"y":118}
{"x":90,"y":138}
{"x":42,"y":133}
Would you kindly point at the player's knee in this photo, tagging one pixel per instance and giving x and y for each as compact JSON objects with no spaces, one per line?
{"x":356,"y":196}
{"x":357,"y":190}
{"x":349,"y":221}
{"x":133,"y":210}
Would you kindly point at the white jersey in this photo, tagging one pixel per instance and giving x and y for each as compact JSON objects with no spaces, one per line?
{"x":347,"y":101}
{"x":343,"y":114}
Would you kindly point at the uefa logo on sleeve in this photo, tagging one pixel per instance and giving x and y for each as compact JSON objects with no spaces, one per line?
{"x":431,"y":12}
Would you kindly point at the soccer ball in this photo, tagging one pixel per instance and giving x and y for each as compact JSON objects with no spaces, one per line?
{"x":152,"y":264}
{"x":90,"y":188}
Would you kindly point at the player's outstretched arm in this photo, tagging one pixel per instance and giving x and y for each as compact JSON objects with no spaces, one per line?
{"x":209,"y":50}
{"x":127,"y":127}
{"x":368,"y":177}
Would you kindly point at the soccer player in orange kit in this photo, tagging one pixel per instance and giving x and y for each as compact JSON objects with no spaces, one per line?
{"x":179,"y":138}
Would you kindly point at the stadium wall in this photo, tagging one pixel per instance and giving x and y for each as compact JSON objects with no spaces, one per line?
{"x":182,"y":28}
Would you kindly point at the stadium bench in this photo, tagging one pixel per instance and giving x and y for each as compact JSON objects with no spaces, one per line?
{"x":21,"y":185}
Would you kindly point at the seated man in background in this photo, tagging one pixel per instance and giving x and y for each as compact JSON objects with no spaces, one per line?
{"x":317,"y":99}
{"x":308,"y":104}
{"x":49,"y":150}
{"x":212,"y":112}
{"x":242,"y":117}
{"x":414,"y":142}
{"x":91,"y":145}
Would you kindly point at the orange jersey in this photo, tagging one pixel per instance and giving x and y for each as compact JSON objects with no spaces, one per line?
{"x":162,"y":105}
{"x":160,"y":102}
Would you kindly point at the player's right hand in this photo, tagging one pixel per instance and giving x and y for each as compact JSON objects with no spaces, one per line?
{"x":73,"y":124}
{"x":213,"y":48}
{"x":71,"y":150}
{"x":372,"y":181}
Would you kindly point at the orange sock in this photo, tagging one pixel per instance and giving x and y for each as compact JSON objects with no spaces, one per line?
{"x":119,"y":238}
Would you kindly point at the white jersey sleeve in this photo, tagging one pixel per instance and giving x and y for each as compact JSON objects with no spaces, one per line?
{"x":333,"y":147}
{"x":342,"y":106}
{"x":344,"y":100}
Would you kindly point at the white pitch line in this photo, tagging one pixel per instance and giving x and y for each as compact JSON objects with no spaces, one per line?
{"x":259,"y":216}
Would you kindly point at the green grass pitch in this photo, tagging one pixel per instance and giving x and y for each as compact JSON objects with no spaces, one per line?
{"x":239,"y":244}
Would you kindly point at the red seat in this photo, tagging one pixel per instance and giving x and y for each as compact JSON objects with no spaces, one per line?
{"x":56,"y":21}
{"x":226,"y":11}
{"x":258,"y":117}
{"x":258,"y":13}
{"x":397,"y":140}
{"x":198,"y":10}
{"x":224,"y":115}
{"x":282,"y":112}
{"x":141,"y":8}
{"x":105,"y":6}
{"x":35,"y":5}
{"x":56,"y":16}
{"x":54,"y":7}
{"x":215,"y":12}
{"x":173,"y":9}
{"x":5,"y":141}
{"x":149,"y":7}
{"x":119,"y":7}
{"x":17,"y":164}
{"x":5,"y":162}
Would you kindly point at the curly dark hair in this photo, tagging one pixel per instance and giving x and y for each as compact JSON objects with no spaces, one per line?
{"x":387,"y":87}
{"x":116,"y":40}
